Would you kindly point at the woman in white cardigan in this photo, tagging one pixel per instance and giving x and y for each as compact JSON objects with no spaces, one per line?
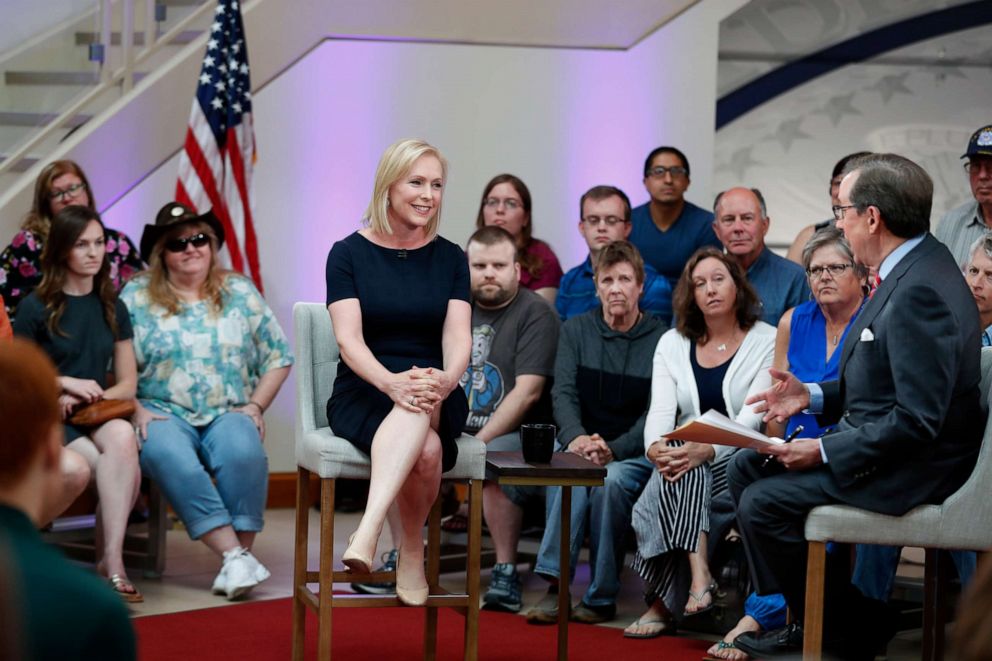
{"x":716,"y":356}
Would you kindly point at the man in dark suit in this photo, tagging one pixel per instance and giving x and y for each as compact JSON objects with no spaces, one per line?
{"x":907,"y":409}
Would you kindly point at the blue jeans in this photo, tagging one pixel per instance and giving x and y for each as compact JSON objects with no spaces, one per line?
{"x":875,"y":569}
{"x":182,"y":459}
{"x":603,"y":512}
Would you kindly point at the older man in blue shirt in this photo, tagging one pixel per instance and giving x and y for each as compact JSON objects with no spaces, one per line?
{"x":741,"y":224}
{"x":604,"y":217}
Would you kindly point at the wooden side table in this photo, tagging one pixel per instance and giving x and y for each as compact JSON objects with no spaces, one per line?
{"x":566,"y":470}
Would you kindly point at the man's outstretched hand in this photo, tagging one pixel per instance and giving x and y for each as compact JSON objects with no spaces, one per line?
{"x":786,"y":398}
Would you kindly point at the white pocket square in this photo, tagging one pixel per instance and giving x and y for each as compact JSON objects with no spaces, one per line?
{"x":867,"y":335}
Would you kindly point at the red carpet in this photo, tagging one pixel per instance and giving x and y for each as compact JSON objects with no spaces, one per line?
{"x":261,"y":630}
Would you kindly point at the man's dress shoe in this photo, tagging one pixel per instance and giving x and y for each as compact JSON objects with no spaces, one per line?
{"x":787,"y":641}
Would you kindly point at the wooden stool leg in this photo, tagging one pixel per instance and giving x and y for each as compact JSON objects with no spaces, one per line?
{"x":564,"y":572}
{"x":158,"y":520}
{"x":433,"y":574}
{"x":473,"y":561}
{"x":816,"y":566}
{"x":935,"y":580}
{"x":300,"y":560}
{"x":326,"y":577}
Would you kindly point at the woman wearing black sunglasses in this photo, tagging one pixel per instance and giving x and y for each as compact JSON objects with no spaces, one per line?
{"x":211,"y":358}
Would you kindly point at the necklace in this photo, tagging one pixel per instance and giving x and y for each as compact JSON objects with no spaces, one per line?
{"x":723,"y":347}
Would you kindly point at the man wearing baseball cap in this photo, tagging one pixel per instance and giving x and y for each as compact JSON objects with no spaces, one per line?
{"x":962,"y":226}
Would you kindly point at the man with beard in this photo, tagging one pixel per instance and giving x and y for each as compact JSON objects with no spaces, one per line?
{"x":514,"y":339}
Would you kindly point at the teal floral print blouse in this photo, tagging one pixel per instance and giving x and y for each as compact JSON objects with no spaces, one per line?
{"x":199,"y":363}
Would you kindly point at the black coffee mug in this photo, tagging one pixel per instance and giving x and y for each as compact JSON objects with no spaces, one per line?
{"x":538,"y":443}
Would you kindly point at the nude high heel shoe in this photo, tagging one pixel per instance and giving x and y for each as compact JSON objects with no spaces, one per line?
{"x":356,"y":562}
{"x":409,"y":596}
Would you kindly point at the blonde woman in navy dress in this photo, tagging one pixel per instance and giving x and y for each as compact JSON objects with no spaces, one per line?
{"x":398,"y":295}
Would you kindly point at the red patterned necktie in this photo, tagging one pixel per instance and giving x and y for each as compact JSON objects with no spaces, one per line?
{"x":874,"y":285}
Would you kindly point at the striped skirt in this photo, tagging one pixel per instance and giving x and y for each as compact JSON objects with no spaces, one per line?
{"x":667,"y":520}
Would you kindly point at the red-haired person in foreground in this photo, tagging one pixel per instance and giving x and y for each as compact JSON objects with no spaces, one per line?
{"x":63,"y":612}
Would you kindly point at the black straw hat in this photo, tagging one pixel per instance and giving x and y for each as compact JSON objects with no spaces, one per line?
{"x":171,"y":215}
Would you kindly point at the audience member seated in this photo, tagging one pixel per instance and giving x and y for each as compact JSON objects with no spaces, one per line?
{"x":795,"y":253}
{"x":506,"y":203}
{"x":604,"y":217}
{"x":60,"y":184}
{"x":398,"y":296}
{"x":211,"y":357}
{"x":876,"y":569}
{"x":668,"y":229}
{"x":718,"y":353}
{"x":76,"y":317}
{"x":807,"y":344}
{"x":600,"y":396}
{"x":978,"y":275}
{"x":907,"y":405}
{"x":741,"y":225}
{"x":62,"y":611}
{"x":962,"y":226}
{"x":508,"y":382}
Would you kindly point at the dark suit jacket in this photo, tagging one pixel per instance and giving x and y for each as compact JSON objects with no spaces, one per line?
{"x":908,"y":403}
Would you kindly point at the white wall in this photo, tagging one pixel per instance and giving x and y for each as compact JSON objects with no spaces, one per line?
{"x":563,"y":120}
{"x":898,"y":103}
{"x":23,"y":19}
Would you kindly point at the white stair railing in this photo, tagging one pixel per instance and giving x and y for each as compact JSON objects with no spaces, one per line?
{"x":110,"y":76}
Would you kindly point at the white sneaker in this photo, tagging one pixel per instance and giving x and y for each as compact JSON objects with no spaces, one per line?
{"x":242,"y":572}
{"x":220,"y":583}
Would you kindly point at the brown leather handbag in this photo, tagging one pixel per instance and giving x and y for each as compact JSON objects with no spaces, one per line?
{"x":97,"y":413}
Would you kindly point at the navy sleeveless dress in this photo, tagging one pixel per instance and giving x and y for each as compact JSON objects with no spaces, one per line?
{"x":404,"y":298}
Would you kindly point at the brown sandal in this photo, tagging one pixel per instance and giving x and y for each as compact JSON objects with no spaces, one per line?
{"x":125,"y":589}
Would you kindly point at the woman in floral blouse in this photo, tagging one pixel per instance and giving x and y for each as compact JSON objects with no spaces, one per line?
{"x":60,"y":184}
{"x":211,"y":358}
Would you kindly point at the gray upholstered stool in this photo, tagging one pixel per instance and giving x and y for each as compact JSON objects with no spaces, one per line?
{"x":322,"y":454}
{"x":960,"y":523}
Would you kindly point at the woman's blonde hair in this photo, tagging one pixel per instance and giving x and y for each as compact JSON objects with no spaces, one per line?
{"x":396,"y":163}
{"x":159,"y":291}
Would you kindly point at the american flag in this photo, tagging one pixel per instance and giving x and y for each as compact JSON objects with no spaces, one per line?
{"x":215,"y":168}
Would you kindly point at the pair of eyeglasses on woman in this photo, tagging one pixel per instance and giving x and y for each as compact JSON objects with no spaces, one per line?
{"x":835,"y":270}
{"x":179,"y":245}
{"x":594,"y":221}
{"x":509,"y":204}
{"x":66,"y":192}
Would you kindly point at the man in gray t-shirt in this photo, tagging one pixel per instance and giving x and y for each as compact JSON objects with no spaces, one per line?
{"x":963,"y":225}
{"x":514,"y":340}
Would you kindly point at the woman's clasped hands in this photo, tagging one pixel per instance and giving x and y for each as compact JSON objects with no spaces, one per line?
{"x":674,"y":461}
{"x":419,"y":389}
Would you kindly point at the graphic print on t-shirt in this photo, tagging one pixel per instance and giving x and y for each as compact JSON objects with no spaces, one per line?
{"x":482,"y":381}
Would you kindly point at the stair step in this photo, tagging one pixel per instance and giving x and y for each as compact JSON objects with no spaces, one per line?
{"x":87,"y":38}
{"x":8,"y":118}
{"x":26,"y":163}
{"x":79,"y":78}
